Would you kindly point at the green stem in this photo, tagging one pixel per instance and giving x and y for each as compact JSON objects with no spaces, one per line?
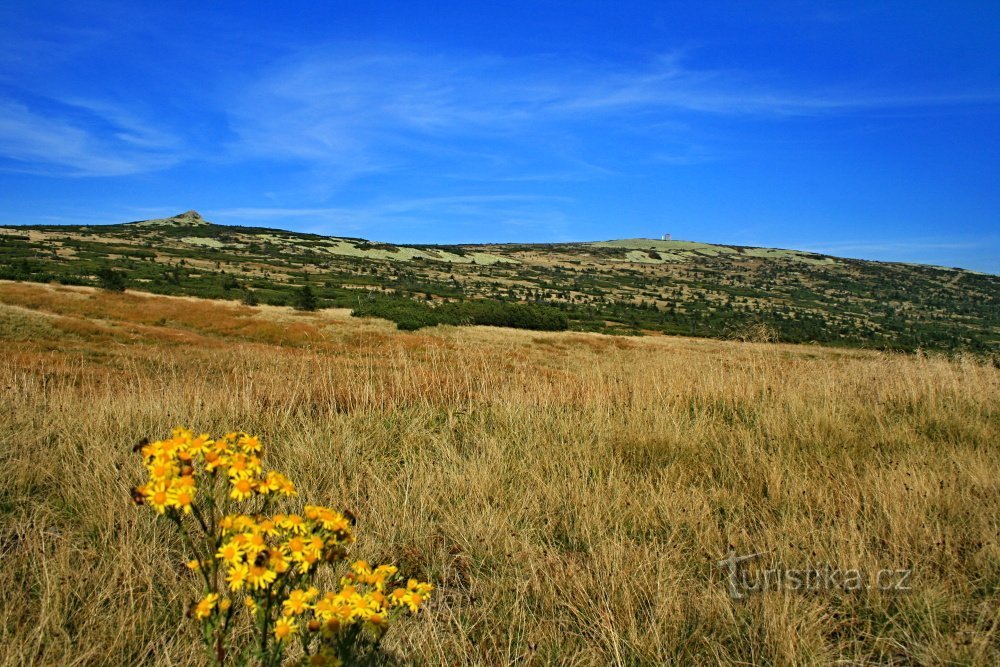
{"x":263,"y":630}
{"x":187,"y":538}
{"x":222,"y":632}
{"x":201,"y":521}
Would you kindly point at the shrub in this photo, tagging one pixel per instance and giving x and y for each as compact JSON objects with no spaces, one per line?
{"x":410,"y":315}
{"x":305,"y":299}
{"x":111,"y":280}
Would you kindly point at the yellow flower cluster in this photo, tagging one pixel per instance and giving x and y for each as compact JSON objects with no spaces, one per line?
{"x":362,"y":598}
{"x":270,"y":561}
{"x":173,"y":466}
{"x":256,"y":551}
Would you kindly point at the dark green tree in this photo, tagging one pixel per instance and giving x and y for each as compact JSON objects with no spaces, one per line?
{"x":305,"y":299}
{"x":111,"y":280}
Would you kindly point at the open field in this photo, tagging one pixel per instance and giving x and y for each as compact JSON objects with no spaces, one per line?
{"x":567,"y":493}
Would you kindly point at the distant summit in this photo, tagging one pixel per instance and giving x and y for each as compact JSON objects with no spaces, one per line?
{"x":190,"y":215}
{"x":186,"y":219}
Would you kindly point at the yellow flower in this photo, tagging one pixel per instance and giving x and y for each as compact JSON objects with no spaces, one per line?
{"x":204,"y":608}
{"x":181,"y":433}
{"x":251,"y":604}
{"x":260,"y":577}
{"x":307,"y":561}
{"x":294,"y":524}
{"x":181,"y":498}
{"x":158,"y":495}
{"x":162,"y":469}
{"x":420,"y":587}
{"x":230,"y":553}
{"x":276,"y":482}
{"x":239,"y":466}
{"x":244,"y":522}
{"x":185,"y":482}
{"x":378,"y":620}
{"x":268,"y":527}
{"x":237,"y":576}
{"x":254,"y":544}
{"x":381,"y":574}
{"x":193,"y":565}
{"x":250,"y":444}
{"x":213,"y":460}
{"x":326,"y":607}
{"x":242,"y":489}
{"x":296,"y":546}
{"x":284,"y":628}
{"x":414,"y":602}
{"x":200,"y":444}
{"x":296,"y":603}
{"x":402,"y":597}
{"x":277,"y":561}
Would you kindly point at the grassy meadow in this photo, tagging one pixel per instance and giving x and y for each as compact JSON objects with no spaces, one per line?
{"x":569,"y":494}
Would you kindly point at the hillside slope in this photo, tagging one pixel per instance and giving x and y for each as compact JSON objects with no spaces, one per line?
{"x":620,"y":286}
{"x":567,"y":493}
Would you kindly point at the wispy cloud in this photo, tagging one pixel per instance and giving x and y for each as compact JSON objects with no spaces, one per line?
{"x":355,"y":110}
{"x":371,"y":110}
{"x":81,"y":139}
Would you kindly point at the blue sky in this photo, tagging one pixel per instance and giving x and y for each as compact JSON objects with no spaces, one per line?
{"x":857,"y":129}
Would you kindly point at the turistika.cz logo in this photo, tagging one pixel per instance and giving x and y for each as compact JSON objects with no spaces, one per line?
{"x":743,"y":580}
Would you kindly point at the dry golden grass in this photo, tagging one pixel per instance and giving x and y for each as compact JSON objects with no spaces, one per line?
{"x":567,"y":493}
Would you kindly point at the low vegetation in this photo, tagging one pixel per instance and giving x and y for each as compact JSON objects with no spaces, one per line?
{"x":410,"y":315}
{"x":569,"y":495}
{"x":629,"y":286}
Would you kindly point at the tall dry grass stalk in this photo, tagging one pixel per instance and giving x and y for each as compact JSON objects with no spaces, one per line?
{"x":568,"y":494}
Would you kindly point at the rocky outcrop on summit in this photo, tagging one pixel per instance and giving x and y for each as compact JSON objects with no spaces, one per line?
{"x":186,"y":219}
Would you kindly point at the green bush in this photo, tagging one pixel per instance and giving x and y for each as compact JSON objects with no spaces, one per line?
{"x":410,"y":315}
{"x":305,"y":299}
{"x":111,"y":280}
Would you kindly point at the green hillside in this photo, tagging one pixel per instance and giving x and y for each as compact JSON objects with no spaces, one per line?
{"x":628,"y":286}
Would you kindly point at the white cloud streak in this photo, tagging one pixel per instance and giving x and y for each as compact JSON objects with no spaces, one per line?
{"x":355,"y":110}
{"x":92,"y":139}
{"x":372,"y":111}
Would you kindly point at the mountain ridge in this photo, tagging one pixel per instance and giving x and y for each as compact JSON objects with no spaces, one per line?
{"x":614,"y":286}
